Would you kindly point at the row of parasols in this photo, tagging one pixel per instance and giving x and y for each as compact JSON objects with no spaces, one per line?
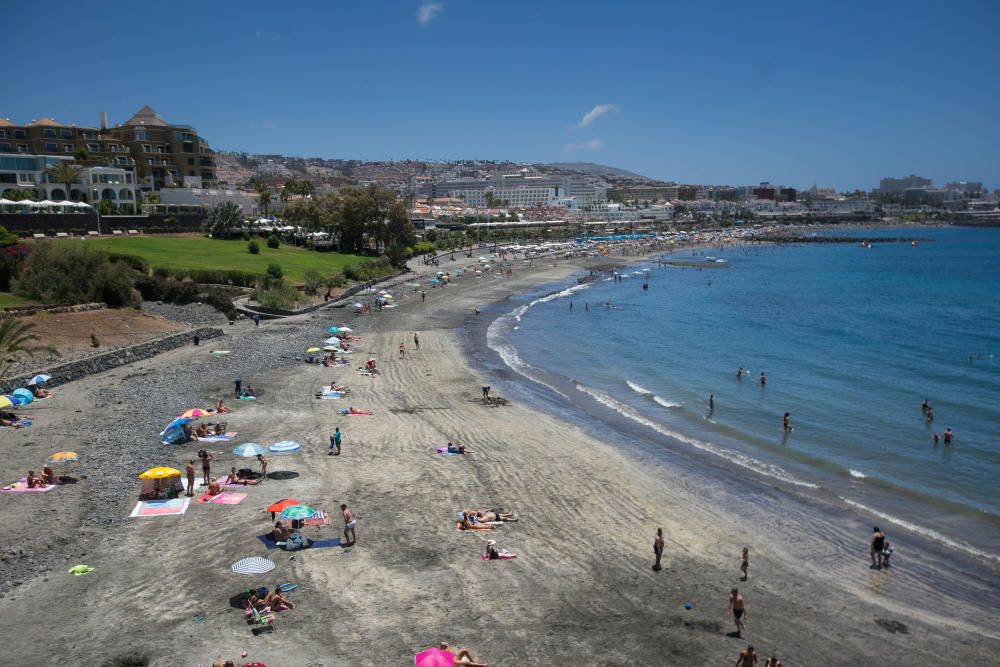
{"x":23,"y":396}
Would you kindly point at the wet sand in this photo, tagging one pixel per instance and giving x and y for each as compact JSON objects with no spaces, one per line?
{"x":580,"y":592}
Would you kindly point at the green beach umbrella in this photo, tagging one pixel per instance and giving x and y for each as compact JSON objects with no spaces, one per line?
{"x":298,"y":513}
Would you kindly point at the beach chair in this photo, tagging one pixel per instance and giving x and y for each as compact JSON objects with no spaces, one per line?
{"x":38,"y":236}
{"x":92,"y":233}
{"x":117,"y":232}
{"x":133,"y":232}
{"x":62,"y":235}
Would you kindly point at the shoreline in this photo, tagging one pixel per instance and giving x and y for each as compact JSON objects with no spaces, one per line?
{"x":581,"y":586}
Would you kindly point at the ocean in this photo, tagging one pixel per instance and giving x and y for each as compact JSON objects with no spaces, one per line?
{"x":852,"y":340}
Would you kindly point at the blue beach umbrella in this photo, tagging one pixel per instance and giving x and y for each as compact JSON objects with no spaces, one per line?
{"x":24,"y":394}
{"x":174,"y":431}
{"x":332,"y":340}
{"x":39,"y":379}
{"x":284,"y":447}
{"x":248,"y":450}
{"x":333,"y":330}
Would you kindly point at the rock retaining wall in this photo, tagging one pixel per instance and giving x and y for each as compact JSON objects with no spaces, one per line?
{"x":104,"y":361}
{"x":27,"y":311}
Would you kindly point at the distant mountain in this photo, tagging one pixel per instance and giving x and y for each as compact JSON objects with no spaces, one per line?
{"x":597,"y":170}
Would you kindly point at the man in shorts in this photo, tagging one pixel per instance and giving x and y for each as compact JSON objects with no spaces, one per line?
{"x":350,"y":524}
{"x":738,"y":607}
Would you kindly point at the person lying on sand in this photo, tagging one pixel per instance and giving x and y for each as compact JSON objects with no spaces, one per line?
{"x":355,"y":411}
{"x":458,"y":449}
{"x":34,"y":481}
{"x":38,"y":392}
{"x":467,"y":522}
{"x":335,"y":387}
{"x":492,"y":515}
{"x":463,"y":657}
{"x":223,"y":663}
{"x":213,"y":488}
{"x":492,"y":553}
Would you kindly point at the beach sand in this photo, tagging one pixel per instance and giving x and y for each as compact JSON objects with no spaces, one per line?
{"x":581,"y":591}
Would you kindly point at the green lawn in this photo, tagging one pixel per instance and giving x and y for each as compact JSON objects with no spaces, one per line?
{"x":199,"y":252}
{"x":9,"y":300}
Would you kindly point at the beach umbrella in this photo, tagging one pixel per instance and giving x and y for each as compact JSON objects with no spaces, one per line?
{"x":331,"y":348}
{"x":174,"y":431}
{"x":160,"y":473}
{"x":346,"y":329}
{"x":5,"y":402}
{"x":284,"y":447}
{"x":194,"y":413}
{"x":436,"y":281}
{"x":298,"y":513}
{"x":282,"y":504}
{"x":332,"y":340}
{"x":333,"y":330}
{"x":63,"y":457}
{"x":357,"y":305}
{"x":253,"y":565}
{"x":433,"y":657}
{"x":39,"y":379}
{"x":388,"y":296}
{"x":24,"y":394}
{"x":248,"y":450}
{"x":312,"y":349}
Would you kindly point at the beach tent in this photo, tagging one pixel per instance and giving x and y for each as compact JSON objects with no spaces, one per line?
{"x":174,"y":431}
{"x":24,"y":394}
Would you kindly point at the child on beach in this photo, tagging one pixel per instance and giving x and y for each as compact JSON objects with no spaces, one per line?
{"x":744,"y":562}
{"x":886,"y":552}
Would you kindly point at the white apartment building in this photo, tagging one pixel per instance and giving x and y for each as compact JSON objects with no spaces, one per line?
{"x":19,"y":171}
{"x":507,"y":197}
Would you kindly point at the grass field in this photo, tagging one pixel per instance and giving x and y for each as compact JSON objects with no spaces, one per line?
{"x":198,"y":252}
{"x":9,"y":300}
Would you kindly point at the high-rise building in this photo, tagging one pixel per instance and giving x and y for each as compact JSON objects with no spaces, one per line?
{"x":898,"y":185}
{"x":165,"y":154}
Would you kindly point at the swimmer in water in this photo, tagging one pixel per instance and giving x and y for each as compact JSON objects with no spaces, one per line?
{"x":936,"y":438}
{"x":788,"y":421}
{"x":926,"y":406}
{"x":948,"y":435}
{"x":739,"y":373}
{"x":763,"y":379}
{"x":711,"y":401}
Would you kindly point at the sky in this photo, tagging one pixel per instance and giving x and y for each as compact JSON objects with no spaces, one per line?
{"x":839,"y":94}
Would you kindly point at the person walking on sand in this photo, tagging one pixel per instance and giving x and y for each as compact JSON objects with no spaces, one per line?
{"x":239,"y":384}
{"x":744,"y":562}
{"x":877,"y":544}
{"x":416,"y":341}
{"x":256,"y":320}
{"x":423,"y":296}
{"x":189,"y":470}
{"x":748,"y":658}
{"x":335,"y":441}
{"x":206,"y":465}
{"x":350,"y":524}
{"x":739,"y":609}
{"x":658,"y":549}
{"x":402,"y":350}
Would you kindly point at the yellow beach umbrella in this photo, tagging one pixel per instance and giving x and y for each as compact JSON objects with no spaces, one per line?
{"x":160,"y":473}
{"x":63,"y":457}
{"x":312,"y":349}
{"x":5,"y":402}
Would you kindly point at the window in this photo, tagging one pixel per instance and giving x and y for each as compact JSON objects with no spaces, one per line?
{"x":113,"y":148}
{"x":161,"y":149}
{"x":3,"y":134}
{"x":67,"y":148}
{"x":4,"y":147}
{"x":51,"y":146}
{"x":146,"y":148}
{"x":19,"y":134}
{"x":150,"y":161}
{"x":93,"y":178}
{"x":66,"y":134}
{"x":165,"y":162}
{"x":128,"y":178}
{"x":22,"y":148}
{"x":8,"y":178}
{"x":191,"y":162}
{"x":18,"y":163}
{"x":26,"y":178}
{"x":141,"y":134}
{"x":190,"y":172}
{"x":94,"y":148}
{"x":48,"y":133}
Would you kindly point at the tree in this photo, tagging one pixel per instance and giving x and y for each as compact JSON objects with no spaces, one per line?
{"x":290,"y":188}
{"x":65,"y":173}
{"x":305,"y":188}
{"x":265,"y":200}
{"x":21,"y":194}
{"x":81,"y":154}
{"x":223,"y":219}
{"x":16,"y":342}
{"x":71,"y":274}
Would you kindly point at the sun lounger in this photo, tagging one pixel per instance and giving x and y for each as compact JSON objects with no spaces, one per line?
{"x":117,"y":232}
{"x":92,"y":233}
{"x":38,"y":236}
{"x":62,"y":235}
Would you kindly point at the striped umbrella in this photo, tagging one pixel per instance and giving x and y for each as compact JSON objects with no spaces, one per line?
{"x":194,"y":413}
{"x":248,"y":450}
{"x":298,"y":513}
{"x":253,"y":565}
{"x":284,"y":447}
{"x":63,"y":457}
{"x":39,"y":379}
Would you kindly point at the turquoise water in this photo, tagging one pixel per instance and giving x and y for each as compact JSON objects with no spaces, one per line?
{"x":851,"y":340}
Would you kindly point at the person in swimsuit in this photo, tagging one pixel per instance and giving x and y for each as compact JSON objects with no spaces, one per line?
{"x":206,"y":466}
{"x":744,"y":562}
{"x":658,"y":549}
{"x":463,"y":657}
{"x":263,"y":466}
{"x":416,"y":341}
{"x":948,"y":435}
{"x":738,"y":607}
{"x":350,"y":523}
{"x":748,"y":658}
{"x":763,"y":379}
{"x":788,"y":421}
{"x":189,"y":470}
{"x":772,"y":661}
{"x":739,"y":373}
{"x":877,"y":544}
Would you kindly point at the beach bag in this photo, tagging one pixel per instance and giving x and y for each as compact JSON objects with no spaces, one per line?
{"x":296,"y":542}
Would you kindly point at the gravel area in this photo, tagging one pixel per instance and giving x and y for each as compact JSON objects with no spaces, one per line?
{"x":194,"y":314}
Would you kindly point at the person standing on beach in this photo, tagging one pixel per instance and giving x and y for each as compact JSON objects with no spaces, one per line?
{"x":788,"y":421}
{"x":335,"y":441}
{"x":748,"y":658}
{"x":877,"y":544}
{"x":206,"y":465}
{"x":658,"y":549}
{"x":416,"y":340}
{"x":239,"y":384}
{"x":711,"y":401}
{"x":744,"y":563}
{"x":350,"y":524}
{"x":256,"y":320}
{"x":739,"y":609}
{"x":402,"y":350}
{"x":189,"y":470}
{"x":423,"y":296}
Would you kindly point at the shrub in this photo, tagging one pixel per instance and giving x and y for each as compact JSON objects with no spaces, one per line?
{"x":278,"y":295}
{"x":273,"y":242}
{"x":253,"y":247}
{"x":150,"y":287}
{"x":246,"y":236}
{"x":93,"y":340}
{"x":424,"y":247}
{"x":11,"y":259}
{"x":274,"y":271}
{"x":371,"y":269}
{"x":75,"y":274}
{"x":136,"y":263}
{"x":211,"y":276}
{"x":313,"y":280}
{"x":221,"y":300}
{"x":179,"y":291}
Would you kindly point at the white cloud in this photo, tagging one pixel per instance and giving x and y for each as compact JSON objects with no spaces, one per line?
{"x":428,"y":11}
{"x":589,"y":145}
{"x":596,"y":113}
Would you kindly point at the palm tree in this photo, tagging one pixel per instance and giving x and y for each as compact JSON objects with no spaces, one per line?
{"x":223,"y":219}
{"x":305,"y":188}
{"x":17,"y":341}
{"x":290,"y":188}
{"x":65,"y":173}
{"x":265,"y":200}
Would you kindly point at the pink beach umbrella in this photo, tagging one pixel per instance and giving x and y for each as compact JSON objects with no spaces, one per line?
{"x":433,"y":657}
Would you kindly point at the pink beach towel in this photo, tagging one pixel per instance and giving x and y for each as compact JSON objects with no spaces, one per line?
{"x":22,"y":487}
{"x":229,"y":498}
{"x":502,"y":557}
{"x":172,"y":506}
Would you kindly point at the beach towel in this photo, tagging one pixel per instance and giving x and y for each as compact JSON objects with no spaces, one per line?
{"x":21,"y":486}
{"x":172,"y":506}
{"x":328,"y":396}
{"x":347,"y":413}
{"x":224,"y":498}
{"x":502,"y":557}
{"x":80,"y":570}
{"x":248,"y":398}
{"x":320,"y":519}
{"x":444,"y":451}
{"x":225,"y":437}
{"x":269,"y":542}
{"x":19,"y":423}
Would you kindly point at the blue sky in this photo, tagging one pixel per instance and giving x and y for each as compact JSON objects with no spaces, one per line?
{"x":836,"y":93}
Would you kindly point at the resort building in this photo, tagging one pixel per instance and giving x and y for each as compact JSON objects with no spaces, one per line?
{"x":23,"y":172}
{"x":49,"y":137}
